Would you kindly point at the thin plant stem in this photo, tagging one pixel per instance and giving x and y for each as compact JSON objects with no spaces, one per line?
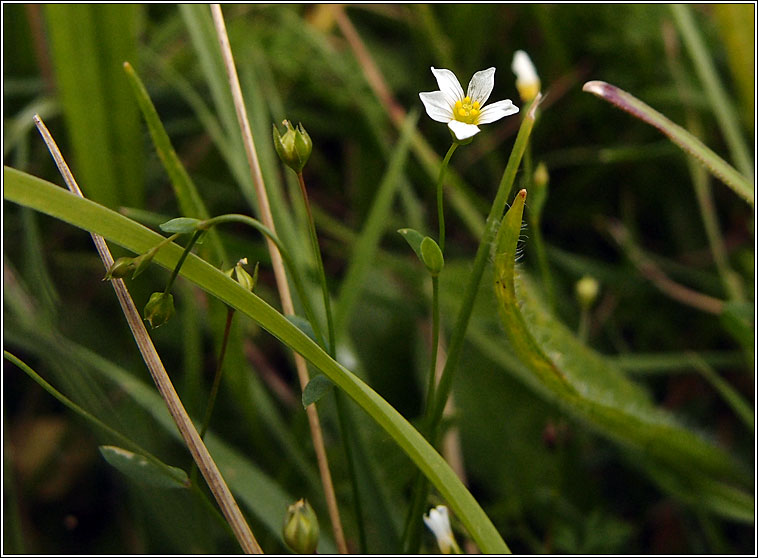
{"x":583,"y":328}
{"x":197,"y":448}
{"x":342,"y":410}
{"x":331,"y":349}
{"x":187,"y":250}
{"x":297,"y":281}
{"x":431,"y":423}
{"x":435,"y":341}
{"x":536,"y":233}
{"x":440,"y":204}
{"x":700,"y":179}
{"x":279,"y":273}
{"x":216,"y":382}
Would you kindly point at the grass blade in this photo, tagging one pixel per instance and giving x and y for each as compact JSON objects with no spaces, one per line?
{"x":681,"y":137}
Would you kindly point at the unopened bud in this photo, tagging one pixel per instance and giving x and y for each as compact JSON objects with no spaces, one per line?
{"x":587,"y":289}
{"x":301,"y":528}
{"x":243,"y":277}
{"x":294,"y":147}
{"x":120,"y":269}
{"x":541,"y":176}
{"x":527,"y":80}
{"x":159,"y":309}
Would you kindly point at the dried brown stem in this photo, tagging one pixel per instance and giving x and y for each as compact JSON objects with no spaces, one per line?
{"x":199,"y":452}
{"x":279,"y":272}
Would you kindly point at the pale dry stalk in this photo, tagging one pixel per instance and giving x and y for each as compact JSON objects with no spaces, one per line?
{"x":279,"y":273}
{"x":197,"y":448}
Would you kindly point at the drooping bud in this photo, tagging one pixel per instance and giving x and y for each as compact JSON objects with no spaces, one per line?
{"x":527,"y":80}
{"x":301,"y":528}
{"x":439,"y":523}
{"x":120,"y":269}
{"x":587,"y":289}
{"x":294,"y":147}
{"x":159,"y":309}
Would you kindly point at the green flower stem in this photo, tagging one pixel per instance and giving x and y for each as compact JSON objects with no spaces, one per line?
{"x":263,"y":229}
{"x":331,"y":349}
{"x":435,"y":341}
{"x":187,"y":250}
{"x":216,"y":383}
{"x":433,"y":416}
{"x":440,"y":205}
{"x":536,"y":233}
{"x":342,"y":411}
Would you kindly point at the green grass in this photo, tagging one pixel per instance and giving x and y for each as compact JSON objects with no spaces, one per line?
{"x":638,"y":440}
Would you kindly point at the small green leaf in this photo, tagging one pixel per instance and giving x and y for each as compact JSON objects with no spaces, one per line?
{"x":182,"y":225}
{"x":303,"y":325}
{"x":143,"y":470}
{"x":316,"y":389}
{"x":413,"y":238}
{"x":431,"y":255}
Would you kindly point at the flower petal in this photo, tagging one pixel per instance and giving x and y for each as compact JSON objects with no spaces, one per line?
{"x":481,"y":84}
{"x":448,"y":84}
{"x":436,"y":106}
{"x":496,"y":111}
{"x":461,"y":130}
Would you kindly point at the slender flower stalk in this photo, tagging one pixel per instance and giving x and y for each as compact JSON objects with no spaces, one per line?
{"x":281,"y":276}
{"x":331,"y":349}
{"x":440,"y":204}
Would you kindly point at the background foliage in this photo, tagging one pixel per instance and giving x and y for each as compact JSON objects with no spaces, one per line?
{"x":549,"y":483}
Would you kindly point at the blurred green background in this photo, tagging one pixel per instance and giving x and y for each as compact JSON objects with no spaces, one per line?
{"x":548,"y":483}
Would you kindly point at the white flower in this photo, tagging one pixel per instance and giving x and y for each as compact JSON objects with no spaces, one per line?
{"x":463,"y":113}
{"x":527,"y":80}
{"x":438,"y":522}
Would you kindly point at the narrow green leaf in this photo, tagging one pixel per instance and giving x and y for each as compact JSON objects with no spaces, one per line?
{"x":43,"y":196}
{"x":139,"y":468}
{"x":714,"y":89}
{"x":89,"y":42}
{"x":183,"y":225}
{"x":681,"y":137}
{"x":316,"y":389}
{"x":190,"y":201}
{"x":588,"y":387}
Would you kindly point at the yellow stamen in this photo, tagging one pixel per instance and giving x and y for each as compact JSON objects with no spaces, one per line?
{"x":462,"y":112}
{"x":476,"y":105}
{"x":467,"y":100}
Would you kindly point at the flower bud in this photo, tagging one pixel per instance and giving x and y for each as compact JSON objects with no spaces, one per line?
{"x":243,"y":277}
{"x":120,"y":269}
{"x":527,"y":80}
{"x":587,"y":289}
{"x":541,"y":177}
{"x":159,"y":309}
{"x":301,"y":528}
{"x":432,"y":257}
{"x":294,"y":147}
{"x":438,"y":522}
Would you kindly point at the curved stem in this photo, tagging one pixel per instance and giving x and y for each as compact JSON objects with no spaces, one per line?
{"x":263,"y":229}
{"x":187,"y":250}
{"x":440,"y":205}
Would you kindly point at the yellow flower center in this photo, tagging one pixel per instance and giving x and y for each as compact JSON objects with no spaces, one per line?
{"x":466,"y":111}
